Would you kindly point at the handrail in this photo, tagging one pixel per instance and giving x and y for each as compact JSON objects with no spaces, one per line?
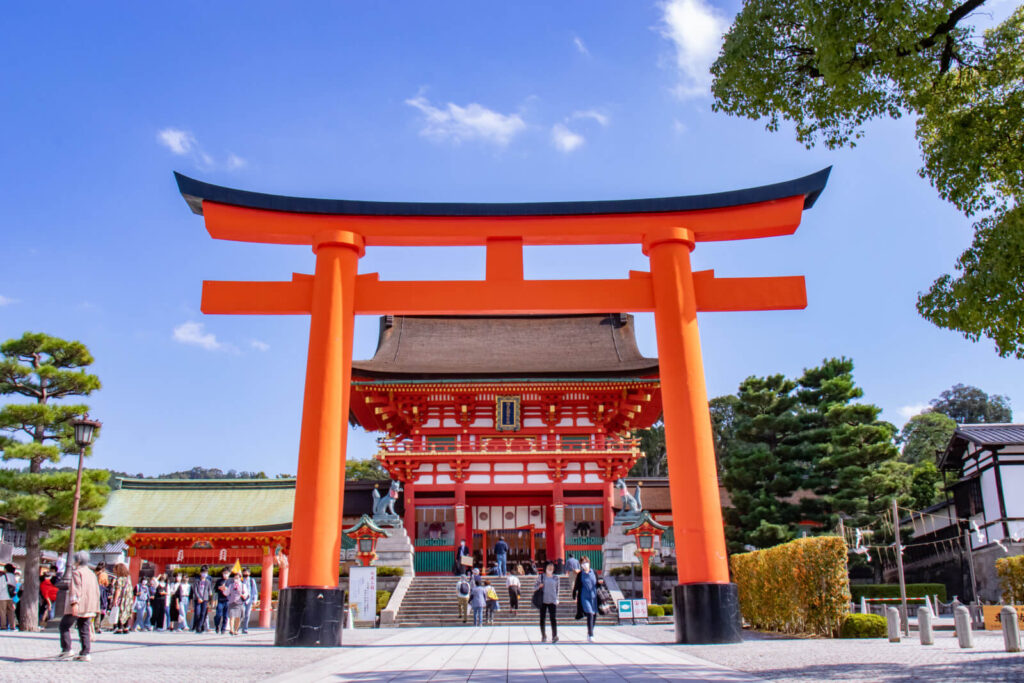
{"x":500,"y":444}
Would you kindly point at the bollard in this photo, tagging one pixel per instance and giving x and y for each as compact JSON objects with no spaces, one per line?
{"x":1011,"y":629}
{"x":924,"y":625}
{"x":892,"y":622}
{"x":863,"y":605}
{"x":962,"y":622}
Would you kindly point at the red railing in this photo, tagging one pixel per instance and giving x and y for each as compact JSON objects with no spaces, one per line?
{"x":552,"y":443}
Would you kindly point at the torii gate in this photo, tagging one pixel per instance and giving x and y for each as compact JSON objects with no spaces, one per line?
{"x":667,"y":228}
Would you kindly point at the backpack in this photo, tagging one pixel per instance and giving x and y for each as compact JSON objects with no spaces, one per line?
{"x":463,"y":587}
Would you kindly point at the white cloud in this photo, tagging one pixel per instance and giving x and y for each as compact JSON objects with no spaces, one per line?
{"x":259,"y":345}
{"x":564,"y":139}
{"x":678,"y":127}
{"x":7,"y":301}
{"x":696,"y":29}
{"x":184,"y":143}
{"x":907,"y":412}
{"x":181,"y":142}
{"x":580,"y":45}
{"x":192,"y":333}
{"x":592,"y":114}
{"x":472,"y":122}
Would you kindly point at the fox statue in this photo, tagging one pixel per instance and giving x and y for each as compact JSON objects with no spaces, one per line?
{"x":385,"y":506}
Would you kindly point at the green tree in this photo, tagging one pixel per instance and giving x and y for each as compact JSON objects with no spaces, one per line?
{"x":924,"y":436}
{"x":831,"y":66}
{"x":970,"y":405}
{"x":40,"y":369}
{"x":761,"y":469}
{"x":364,"y":470}
{"x":723,"y":425}
{"x":854,"y":455}
{"x":653,"y":461}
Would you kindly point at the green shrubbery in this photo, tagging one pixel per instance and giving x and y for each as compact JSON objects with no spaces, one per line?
{"x":382,"y":600}
{"x":863,"y":626}
{"x":656,"y":570}
{"x":1011,"y":576}
{"x":655,"y":611}
{"x":797,"y":587}
{"x":669,"y":609}
{"x":892,"y":590}
{"x":381,"y":571}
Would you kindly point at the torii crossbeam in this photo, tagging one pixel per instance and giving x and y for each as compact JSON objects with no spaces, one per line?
{"x":668,"y":230}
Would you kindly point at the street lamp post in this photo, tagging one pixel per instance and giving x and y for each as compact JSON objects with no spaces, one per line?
{"x":85,"y":430}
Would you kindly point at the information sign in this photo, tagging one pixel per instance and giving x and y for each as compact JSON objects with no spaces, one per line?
{"x":362,"y":593}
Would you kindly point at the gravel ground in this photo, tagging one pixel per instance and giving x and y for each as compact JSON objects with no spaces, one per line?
{"x":784,"y":658}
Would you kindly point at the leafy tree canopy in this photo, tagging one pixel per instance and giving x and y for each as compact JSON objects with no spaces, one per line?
{"x":365,"y":470}
{"x":925,"y":436}
{"x":970,"y":405}
{"x":653,"y":461}
{"x":831,"y":66}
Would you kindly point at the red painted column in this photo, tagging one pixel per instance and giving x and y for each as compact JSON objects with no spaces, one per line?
{"x":558,"y":508}
{"x":320,"y":483}
{"x":693,"y":477}
{"x":410,"y":510}
{"x":135,"y":567}
{"x":646,"y":574}
{"x":608,"y":496}
{"x":282,"y":575}
{"x":266,"y":589}
{"x":460,"y":501}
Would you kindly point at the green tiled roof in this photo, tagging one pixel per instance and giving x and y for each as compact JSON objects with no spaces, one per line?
{"x":201,"y":505}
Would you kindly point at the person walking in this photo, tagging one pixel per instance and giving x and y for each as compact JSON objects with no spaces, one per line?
{"x":236,"y":598}
{"x":249,"y":584}
{"x":584,"y":592}
{"x":83,"y":603}
{"x":183,"y":593}
{"x":47,"y":596}
{"x":572,"y":567}
{"x":462,"y":591}
{"x":18,"y":588}
{"x":514,"y":589}
{"x":501,"y":555}
{"x":103,"y":578}
{"x":492,"y":602}
{"x":158,"y":601}
{"x":460,"y":565}
{"x":221,"y":587}
{"x":202,"y":593}
{"x":142,"y":596}
{"x":121,"y":599}
{"x":478,"y":601}
{"x":546,"y":600}
{"x":8,"y":589}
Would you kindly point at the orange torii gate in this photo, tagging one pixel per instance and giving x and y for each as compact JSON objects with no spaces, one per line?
{"x":339,"y":232}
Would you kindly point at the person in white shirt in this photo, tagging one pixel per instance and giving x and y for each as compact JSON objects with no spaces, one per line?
{"x":514,"y":589}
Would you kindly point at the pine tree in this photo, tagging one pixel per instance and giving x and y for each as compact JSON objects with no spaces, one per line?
{"x":42,"y":369}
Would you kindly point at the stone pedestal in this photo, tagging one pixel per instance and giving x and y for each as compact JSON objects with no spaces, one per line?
{"x":617,"y":539}
{"x":309,"y":617}
{"x":707,"y":613}
{"x":396,"y":551}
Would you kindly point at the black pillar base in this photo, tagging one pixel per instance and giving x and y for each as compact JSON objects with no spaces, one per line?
{"x":707,"y":613}
{"x":309,"y":617}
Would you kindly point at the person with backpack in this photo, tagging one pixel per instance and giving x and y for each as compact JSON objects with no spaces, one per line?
{"x":492,"y":602}
{"x":7,"y":592}
{"x":462,"y":591}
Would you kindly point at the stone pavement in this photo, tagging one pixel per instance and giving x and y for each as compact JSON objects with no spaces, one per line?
{"x":507,"y":653}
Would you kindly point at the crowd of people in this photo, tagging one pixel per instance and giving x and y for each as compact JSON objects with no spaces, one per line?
{"x":477,"y":596}
{"x":98,"y":599}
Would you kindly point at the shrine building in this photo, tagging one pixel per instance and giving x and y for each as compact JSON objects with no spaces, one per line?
{"x":506,"y":426}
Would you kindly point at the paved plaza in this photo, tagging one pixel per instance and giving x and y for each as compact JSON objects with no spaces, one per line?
{"x":507,"y":653}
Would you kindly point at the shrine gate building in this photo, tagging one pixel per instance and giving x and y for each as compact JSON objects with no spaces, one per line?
{"x":506,"y":426}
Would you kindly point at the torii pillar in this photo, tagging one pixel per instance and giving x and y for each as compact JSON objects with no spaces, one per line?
{"x":667,"y":228}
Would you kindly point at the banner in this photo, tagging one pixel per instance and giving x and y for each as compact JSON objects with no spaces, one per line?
{"x":362,"y":593}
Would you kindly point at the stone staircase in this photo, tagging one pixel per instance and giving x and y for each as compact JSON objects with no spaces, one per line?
{"x":431,"y":601}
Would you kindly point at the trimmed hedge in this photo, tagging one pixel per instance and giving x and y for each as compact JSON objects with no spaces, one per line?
{"x":669,"y":609}
{"x":655,"y":611}
{"x":381,"y":571}
{"x":1011,"y":576}
{"x":382,"y":600}
{"x":892,"y":590}
{"x":656,"y":570}
{"x":797,"y":587}
{"x":863,"y":626}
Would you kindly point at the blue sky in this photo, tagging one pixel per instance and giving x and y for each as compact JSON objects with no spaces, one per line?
{"x":420,"y":102}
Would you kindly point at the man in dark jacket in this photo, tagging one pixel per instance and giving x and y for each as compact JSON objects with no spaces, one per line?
{"x":202,"y":591}
{"x":501,"y":554}
{"x":220,"y":589}
{"x":460,"y":552}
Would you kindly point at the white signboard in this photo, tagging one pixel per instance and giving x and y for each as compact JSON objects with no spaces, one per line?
{"x":362,"y":593}
{"x":640,"y":609}
{"x":625,"y":610}
{"x":629,"y":553}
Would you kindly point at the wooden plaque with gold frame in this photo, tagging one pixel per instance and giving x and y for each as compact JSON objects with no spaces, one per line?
{"x":506,"y":413}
